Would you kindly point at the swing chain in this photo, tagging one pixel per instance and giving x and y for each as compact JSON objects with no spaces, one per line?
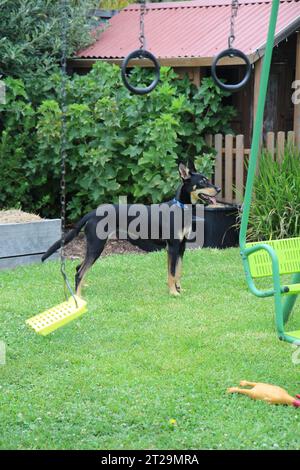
{"x":234,"y":10}
{"x":63,"y":99}
{"x":141,"y":53}
{"x":142,"y":37}
{"x":63,"y":143}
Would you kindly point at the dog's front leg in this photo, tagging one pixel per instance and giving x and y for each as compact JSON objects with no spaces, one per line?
{"x":173,"y":258}
{"x":178,"y":269}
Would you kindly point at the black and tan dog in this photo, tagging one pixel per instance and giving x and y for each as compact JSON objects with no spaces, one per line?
{"x":195,"y":187}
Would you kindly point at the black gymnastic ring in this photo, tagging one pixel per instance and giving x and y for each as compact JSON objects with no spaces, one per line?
{"x":231,"y":53}
{"x":140,"y":53}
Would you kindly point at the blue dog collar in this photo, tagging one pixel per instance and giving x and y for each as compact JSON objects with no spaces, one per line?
{"x":179,"y":204}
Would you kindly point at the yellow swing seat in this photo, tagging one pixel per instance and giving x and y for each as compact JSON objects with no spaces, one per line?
{"x":48,"y":321}
{"x":58,"y":316}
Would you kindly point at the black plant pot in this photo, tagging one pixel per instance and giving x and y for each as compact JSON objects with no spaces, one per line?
{"x":220,"y":230}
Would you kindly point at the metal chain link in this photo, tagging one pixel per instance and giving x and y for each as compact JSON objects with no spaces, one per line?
{"x":234,"y":11}
{"x":142,"y":37}
{"x":63,"y":141}
{"x":63,"y":99}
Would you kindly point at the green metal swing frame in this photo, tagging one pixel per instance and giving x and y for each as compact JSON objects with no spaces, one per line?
{"x":274,"y":257}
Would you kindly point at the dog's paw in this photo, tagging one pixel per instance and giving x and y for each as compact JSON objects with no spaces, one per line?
{"x":179,"y":289}
{"x":174,"y":293}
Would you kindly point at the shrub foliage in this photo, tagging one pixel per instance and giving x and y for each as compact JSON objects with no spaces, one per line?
{"x":31,"y":33}
{"x":275,"y":209}
{"x":117,"y":143}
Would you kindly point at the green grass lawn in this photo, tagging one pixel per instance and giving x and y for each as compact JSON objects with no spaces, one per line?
{"x":114,"y":378}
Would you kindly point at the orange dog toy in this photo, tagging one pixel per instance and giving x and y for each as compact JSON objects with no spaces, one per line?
{"x":269,"y":393}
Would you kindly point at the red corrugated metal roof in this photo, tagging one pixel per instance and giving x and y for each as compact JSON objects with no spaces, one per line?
{"x":191,"y":29}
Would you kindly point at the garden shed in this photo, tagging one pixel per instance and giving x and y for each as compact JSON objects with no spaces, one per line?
{"x":187,"y":36}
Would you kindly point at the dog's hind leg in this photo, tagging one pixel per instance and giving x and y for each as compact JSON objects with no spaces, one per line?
{"x":178,"y":274}
{"x":94,"y":248}
{"x":91,"y":256}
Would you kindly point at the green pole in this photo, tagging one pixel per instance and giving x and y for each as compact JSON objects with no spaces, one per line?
{"x":258,"y":122}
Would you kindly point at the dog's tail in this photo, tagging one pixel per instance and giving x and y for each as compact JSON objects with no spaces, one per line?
{"x":70,"y":235}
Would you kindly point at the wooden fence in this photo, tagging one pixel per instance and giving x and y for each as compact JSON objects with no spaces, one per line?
{"x":232,"y":157}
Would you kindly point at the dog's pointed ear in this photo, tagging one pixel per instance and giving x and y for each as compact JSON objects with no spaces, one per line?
{"x":184,"y":171}
{"x":191,"y":166}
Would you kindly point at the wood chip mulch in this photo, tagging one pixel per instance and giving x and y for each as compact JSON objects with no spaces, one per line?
{"x":76,"y":248}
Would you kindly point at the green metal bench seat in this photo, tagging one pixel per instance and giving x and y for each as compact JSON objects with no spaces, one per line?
{"x":288,"y":254}
{"x":275,"y":258}
{"x":294,"y":334}
{"x":292,"y":289}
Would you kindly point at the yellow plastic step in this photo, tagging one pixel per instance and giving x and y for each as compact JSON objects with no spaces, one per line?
{"x":293,"y":289}
{"x":48,"y":321}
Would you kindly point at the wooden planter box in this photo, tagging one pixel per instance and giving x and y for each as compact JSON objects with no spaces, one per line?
{"x":25,"y":243}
